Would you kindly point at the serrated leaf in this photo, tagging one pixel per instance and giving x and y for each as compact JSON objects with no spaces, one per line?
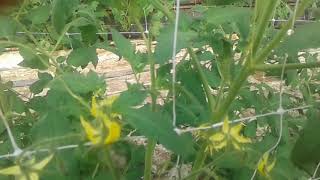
{"x":163,"y":50}
{"x":89,"y":34}
{"x":124,"y":46}
{"x":304,"y":37}
{"x":8,"y":27}
{"x":82,"y":56}
{"x":38,"y":86}
{"x":61,"y":12}
{"x":225,"y":63}
{"x":157,"y":125}
{"x":10,"y":102}
{"x":227,"y":14}
{"x":39,"y":15}
{"x":32,"y":60}
{"x":134,"y":96}
{"x":50,"y":125}
{"x":305,"y":153}
{"x":222,"y":2}
{"x":127,"y":50}
{"x":78,"y":83}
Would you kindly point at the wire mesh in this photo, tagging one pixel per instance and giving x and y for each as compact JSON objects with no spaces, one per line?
{"x":17,"y":151}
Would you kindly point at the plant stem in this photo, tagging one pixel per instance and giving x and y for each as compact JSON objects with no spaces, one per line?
{"x":268,"y":12}
{"x":148,"y":159}
{"x":108,"y":159}
{"x":233,"y":91}
{"x":250,"y":65}
{"x":275,"y":41}
{"x":34,"y":52}
{"x":198,"y":163}
{"x":204,"y":80}
{"x":24,"y":3}
{"x":151,"y":142}
{"x":266,"y":67}
{"x":157,"y":4}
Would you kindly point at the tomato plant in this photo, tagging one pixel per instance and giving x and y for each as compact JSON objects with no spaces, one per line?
{"x":74,"y":131}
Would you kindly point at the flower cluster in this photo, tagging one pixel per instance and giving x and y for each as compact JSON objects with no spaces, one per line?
{"x":229,"y":135}
{"x":265,"y":166}
{"x":27,"y":170}
{"x":107,"y":130}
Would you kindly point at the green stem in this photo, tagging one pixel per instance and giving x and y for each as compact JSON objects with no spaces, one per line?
{"x":148,"y":159}
{"x":275,"y":41}
{"x":109,"y":162}
{"x":220,"y":94}
{"x":204,"y":80}
{"x":267,"y":14}
{"x":198,"y":163}
{"x":24,"y":3}
{"x":151,"y":142}
{"x":191,"y":97}
{"x":157,"y":4}
{"x":34,"y":52}
{"x":233,"y":91}
{"x":248,"y":67}
{"x":266,"y":67}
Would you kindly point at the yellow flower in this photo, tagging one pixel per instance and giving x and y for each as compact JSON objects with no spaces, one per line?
{"x":27,"y":171}
{"x":221,"y":139}
{"x":264,"y":166}
{"x":108,"y":131}
{"x":99,"y":135}
{"x":95,"y":111}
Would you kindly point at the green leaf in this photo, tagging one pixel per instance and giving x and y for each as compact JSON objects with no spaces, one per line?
{"x":33,"y":60}
{"x":61,"y":12}
{"x":305,"y":153}
{"x":78,"y":83}
{"x":39,"y":15}
{"x":82,"y":56}
{"x":39,"y":104}
{"x":50,"y":125}
{"x":304,"y":37}
{"x":89,"y":34}
{"x":127,"y":50}
{"x":221,"y":15}
{"x":226,"y":62}
{"x":222,"y":2}
{"x":232,"y":159}
{"x":10,"y":102}
{"x":62,"y":102}
{"x":8,"y":27}
{"x":157,"y":125}
{"x":38,"y":86}
{"x":134,"y":96}
{"x":315,"y":13}
{"x":124,"y":46}
{"x":163,"y":50}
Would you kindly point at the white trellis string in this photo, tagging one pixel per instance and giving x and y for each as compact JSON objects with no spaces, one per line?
{"x":315,"y":173}
{"x":145,"y":21}
{"x":291,"y":30}
{"x":280,"y":111}
{"x":16,"y":149}
{"x":78,"y":33}
{"x":59,"y":148}
{"x":174,"y":51}
{"x":70,"y":41}
{"x":73,"y":146}
{"x":136,"y":32}
{"x":240,"y":120}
